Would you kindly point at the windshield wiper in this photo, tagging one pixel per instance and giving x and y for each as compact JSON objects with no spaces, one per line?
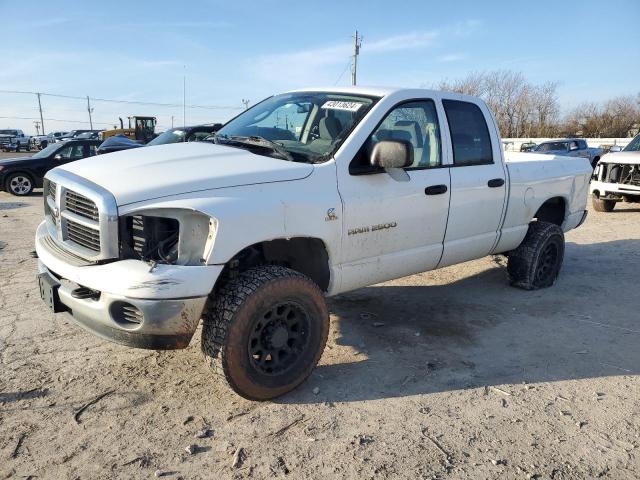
{"x":255,"y":140}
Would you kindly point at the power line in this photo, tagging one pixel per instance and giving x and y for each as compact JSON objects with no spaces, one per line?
{"x":131,"y":102}
{"x":56,"y":120}
{"x":343,"y":71}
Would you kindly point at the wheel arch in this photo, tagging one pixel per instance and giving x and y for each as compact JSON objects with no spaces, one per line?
{"x":553,"y":210}
{"x":307,"y":255}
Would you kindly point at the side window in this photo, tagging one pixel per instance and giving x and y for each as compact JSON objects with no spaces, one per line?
{"x":469,"y":133}
{"x":72,"y":152}
{"x":93,"y":150}
{"x":417,"y":123}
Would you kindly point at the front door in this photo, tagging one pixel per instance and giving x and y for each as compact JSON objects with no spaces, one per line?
{"x":394,"y":225}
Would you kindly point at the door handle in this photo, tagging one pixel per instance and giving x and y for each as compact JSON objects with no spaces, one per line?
{"x":496,"y":182}
{"x":435,"y":190}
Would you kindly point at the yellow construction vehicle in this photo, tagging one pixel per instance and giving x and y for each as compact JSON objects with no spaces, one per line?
{"x":140,"y":128}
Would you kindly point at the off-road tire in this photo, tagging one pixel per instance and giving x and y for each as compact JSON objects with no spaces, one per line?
{"x":239,"y":309}
{"x":600,"y":205}
{"x":537,"y":261}
{"x":19,"y":192}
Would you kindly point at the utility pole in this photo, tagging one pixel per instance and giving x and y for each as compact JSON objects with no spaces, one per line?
{"x":37,"y":125}
{"x":357,"y":43}
{"x":40,"y":108}
{"x":246,"y":103}
{"x":171,"y":121}
{"x":89,"y":109}
{"x":184,"y":98}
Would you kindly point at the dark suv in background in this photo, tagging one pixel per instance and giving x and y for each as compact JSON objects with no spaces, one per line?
{"x":19,"y":176}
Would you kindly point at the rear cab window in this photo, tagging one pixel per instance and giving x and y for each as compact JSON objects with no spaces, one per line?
{"x":470,"y":136}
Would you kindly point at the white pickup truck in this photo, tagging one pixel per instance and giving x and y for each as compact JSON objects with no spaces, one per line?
{"x":306,"y":195}
{"x":617,"y":178}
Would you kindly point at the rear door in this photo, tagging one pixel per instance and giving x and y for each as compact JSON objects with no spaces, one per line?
{"x":478,"y":182}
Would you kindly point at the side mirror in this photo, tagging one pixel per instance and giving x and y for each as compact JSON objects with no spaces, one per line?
{"x":615,"y":149}
{"x":58,"y":157}
{"x":392,"y":154}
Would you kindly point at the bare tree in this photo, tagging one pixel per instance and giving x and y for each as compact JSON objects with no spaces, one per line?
{"x":617,"y":117}
{"x":521,"y":108}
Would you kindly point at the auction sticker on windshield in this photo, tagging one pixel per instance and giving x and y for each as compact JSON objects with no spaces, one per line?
{"x":341,"y":105}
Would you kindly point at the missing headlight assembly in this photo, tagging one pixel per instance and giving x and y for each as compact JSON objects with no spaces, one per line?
{"x":172,"y":236}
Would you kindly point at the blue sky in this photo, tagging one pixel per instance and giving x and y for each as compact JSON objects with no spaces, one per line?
{"x":235,"y":50}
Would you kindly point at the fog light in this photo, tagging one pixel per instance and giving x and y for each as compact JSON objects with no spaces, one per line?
{"x":127,"y":315}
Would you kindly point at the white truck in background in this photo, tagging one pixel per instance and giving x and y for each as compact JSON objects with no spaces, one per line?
{"x":306,"y":195}
{"x":617,"y":178}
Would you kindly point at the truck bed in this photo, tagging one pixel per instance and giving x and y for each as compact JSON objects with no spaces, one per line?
{"x":534,"y":177}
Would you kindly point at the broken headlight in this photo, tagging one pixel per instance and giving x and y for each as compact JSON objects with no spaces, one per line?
{"x":168,"y":236}
{"x":149,"y":238}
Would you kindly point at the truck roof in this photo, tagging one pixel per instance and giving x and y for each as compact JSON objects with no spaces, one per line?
{"x":374,"y":91}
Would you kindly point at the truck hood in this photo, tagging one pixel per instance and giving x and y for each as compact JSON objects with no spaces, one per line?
{"x":161,"y":171}
{"x":622,"y":157}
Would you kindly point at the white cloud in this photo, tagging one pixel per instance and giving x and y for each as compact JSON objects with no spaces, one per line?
{"x":402,"y":42}
{"x":451,"y":57}
{"x":322,"y":65}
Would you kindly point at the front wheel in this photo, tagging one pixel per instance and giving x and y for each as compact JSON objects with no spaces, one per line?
{"x":600,"y":205}
{"x":19,"y":184}
{"x":537,"y":261}
{"x":265,"y":331}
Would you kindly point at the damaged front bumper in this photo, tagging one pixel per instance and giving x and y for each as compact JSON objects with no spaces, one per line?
{"x":613,"y":191}
{"x":125,"y":301}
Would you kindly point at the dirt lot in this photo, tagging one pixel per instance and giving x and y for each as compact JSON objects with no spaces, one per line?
{"x":448,"y":374}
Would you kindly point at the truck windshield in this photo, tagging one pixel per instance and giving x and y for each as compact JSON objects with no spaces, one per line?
{"x":304,"y":126}
{"x":634,"y":145}
{"x":8,"y":132}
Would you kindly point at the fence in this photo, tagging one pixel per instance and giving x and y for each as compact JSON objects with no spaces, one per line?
{"x":513,"y":144}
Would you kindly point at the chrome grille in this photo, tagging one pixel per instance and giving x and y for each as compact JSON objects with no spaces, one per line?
{"x":82,"y":235}
{"x":81,"y":205}
{"x":81,"y":216}
{"x":51,"y":190}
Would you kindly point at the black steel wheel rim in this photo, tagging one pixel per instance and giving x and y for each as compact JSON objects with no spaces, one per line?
{"x":278,"y":338}
{"x":547,"y":264}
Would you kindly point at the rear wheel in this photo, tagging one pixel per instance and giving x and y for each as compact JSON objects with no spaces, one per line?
{"x":264,"y":332}
{"x":537,"y":261}
{"x":600,"y":205}
{"x":19,"y":184}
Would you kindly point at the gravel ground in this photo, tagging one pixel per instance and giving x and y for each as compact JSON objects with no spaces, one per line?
{"x":447,"y":374}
